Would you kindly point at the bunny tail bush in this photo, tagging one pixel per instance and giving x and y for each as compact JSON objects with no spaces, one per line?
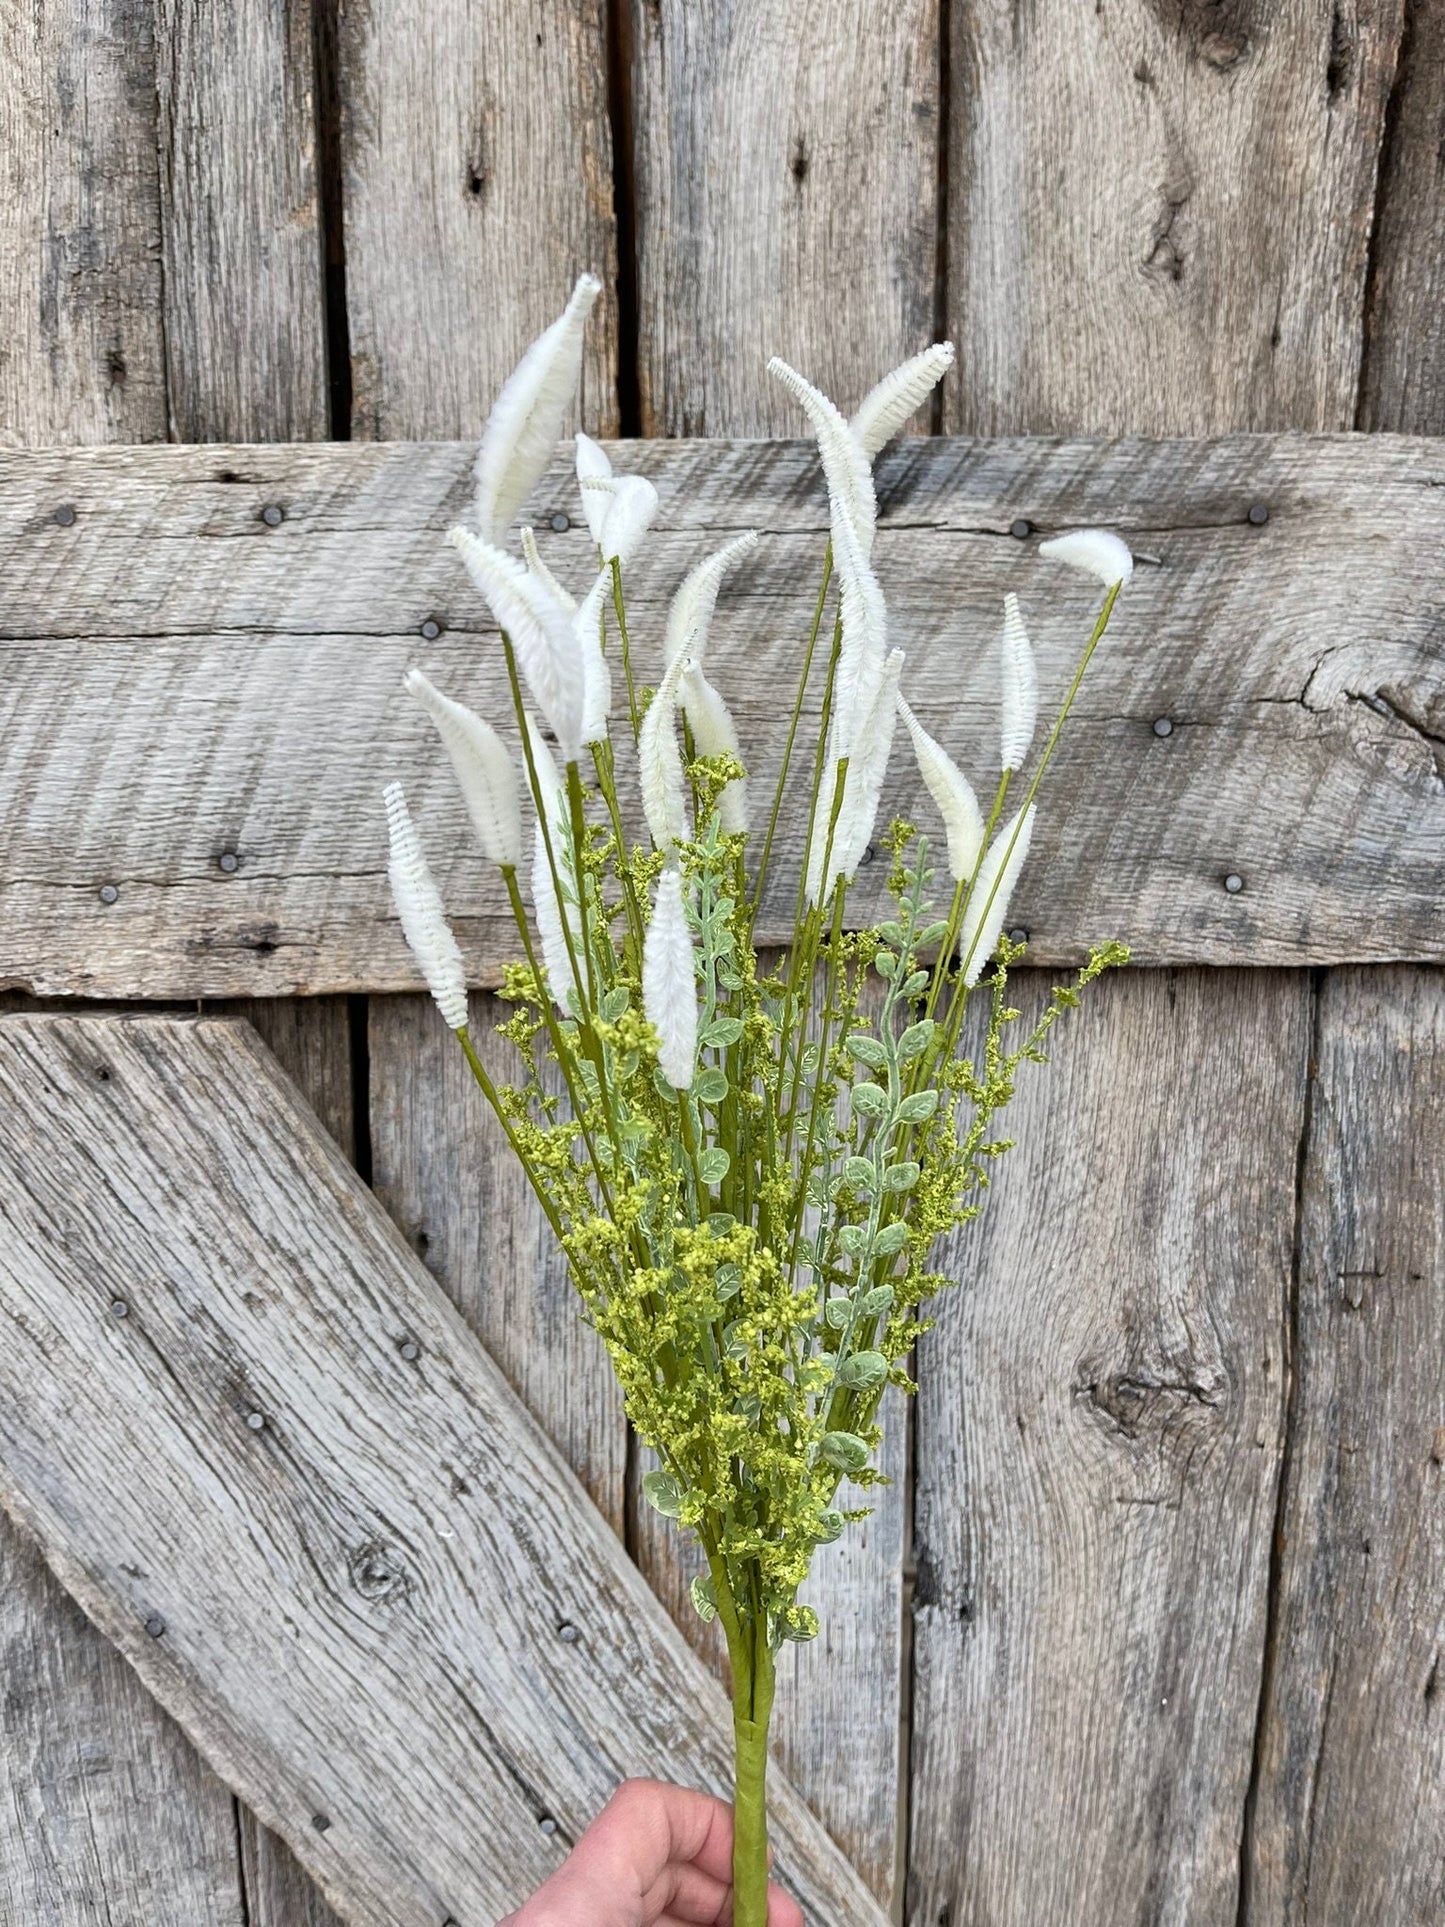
{"x":749,"y":1163}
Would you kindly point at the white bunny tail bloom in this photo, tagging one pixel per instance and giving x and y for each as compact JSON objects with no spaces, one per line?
{"x":486,"y":774}
{"x":526,"y":418}
{"x":888,"y":407}
{"x":596,"y":671}
{"x":629,"y":504}
{"x":555,"y":956}
{"x":592,"y":466}
{"x":988,"y":901}
{"x":537,"y":567}
{"x":1095,"y":552}
{"x":867,"y":767}
{"x":952,"y":793}
{"x":541,"y":631}
{"x":659,"y":764}
{"x":715,"y":734}
{"x":1020,"y":687}
{"x":669,"y":982}
{"x":420,"y":908}
{"x":557,"y":917}
{"x":863,"y":651}
{"x":846,"y":468}
{"x":690,"y":617}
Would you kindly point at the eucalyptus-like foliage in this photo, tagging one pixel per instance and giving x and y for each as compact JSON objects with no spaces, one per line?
{"x":751,"y":1162}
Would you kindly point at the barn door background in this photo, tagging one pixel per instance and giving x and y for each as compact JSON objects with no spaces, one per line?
{"x":1148,"y":1626}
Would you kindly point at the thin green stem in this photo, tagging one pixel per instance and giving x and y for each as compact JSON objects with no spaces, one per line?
{"x":793,"y":726}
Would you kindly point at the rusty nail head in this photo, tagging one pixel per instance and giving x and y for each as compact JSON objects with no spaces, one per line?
{"x":568,"y":1633}
{"x":1163,"y":727}
{"x":120,"y":1307}
{"x":256,"y":1421}
{"x":108,"y":893}
{"x":1021,"y":529}
{"x":1234,"y":883}
{"x":410,"y":1350}
{"x":561,"y":523}
{"x":431,"y":629}
{"x":65,"y":516}
{"x":155,"y":1625}
{"x":1258,"y":514}
{"x":273,"y":515}
{"x":229,"y":861}
{"x":321,"y":1822}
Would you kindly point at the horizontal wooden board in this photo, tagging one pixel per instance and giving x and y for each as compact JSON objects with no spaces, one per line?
{"x":184,"y":682}
{"x":342,"y":1565}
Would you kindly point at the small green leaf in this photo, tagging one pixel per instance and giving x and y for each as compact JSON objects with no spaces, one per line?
{"x":870,"y":1100}
{"x":918,"y":1108}
{"x":891,"y":932}
{"x":885,"y":963}
{"x":868,"y":1050}
{"x":935,"y":933}
{"x":704,"y":1598}
{"x":727,"y":1281}
{"x":721,"y":1032}
{"x":845,"y":1450}
{"x":881,"y":1297}
{"x":713,"y":1164}
{"x":710,"y":1086}
{"x":837,"y":1313}
{"x":720,"y":1222}
{"x":914,"y":982}
{"x":852,"y":1238}
{"x":915,"y":1040}
{"x":614,"y":1003}
{"x":890,"y":1240}
{"x":863,"y":1371}
{"x":798,"y":1622}
{"x":664,"y":1493}
{"x":859,"y":1172}
{"x":828,"y":1526}
{"x":900,"y":1177}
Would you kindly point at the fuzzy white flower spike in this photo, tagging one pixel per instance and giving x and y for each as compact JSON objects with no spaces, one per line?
{"x":558,"y":922}
{"x":1020,"y":688}
{"x":669,"y":982}
{"x":714,"y":733}
{"x":952,"y":793}
{"x":867,"y":768}
{"x":540,"y":629}
{"x":596,"y":671}
{"x":419,"y":906}
{"x":689,"y":619}
{"x":987,"y":911}
{"x":1095,"y":552}
{"x":592,"y":467}
{"x":886,"y":409}
{"x":537,"y":567}
{"x":526,"y":419}
{"x":629,"y":506}
{"x":485,"y":773}
{"x":846,"y":468}
{"x":659,"y":764}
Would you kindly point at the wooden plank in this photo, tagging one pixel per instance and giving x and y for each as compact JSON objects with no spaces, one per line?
{"x":279,"y":1891}
{"x":1099,"y":1432}
{"x":443,"y":1170}
{"x":80,"y":260}
{"x":311,"y":1040}
{"x":336,"y":1598}
{"x":1347,"y":1821}
{"x":785,"y":171}
{"x":1297,"y":663}
{"x":1159,"y":213}
{"x":478,"y":184}
{"x":245,"y":333}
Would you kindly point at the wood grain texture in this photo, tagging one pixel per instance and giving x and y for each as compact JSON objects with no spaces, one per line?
{"x":183,"y":681}
{"x":1099,"y":1433}
{"x":279,"y":1891}
{"x":478,"y":185}
{"x":81,"y":351}
{"x":1349,"y":1814}
{"x":245,"y":331}
{"x":1160,"y":212}
{"x":334,"y":1596}
{"x":106,"y":1815}
{"x":1403,"y":380}
{"x":785,"y":166}
{"x":443,"y":1169}
{"x":310,"y":1038}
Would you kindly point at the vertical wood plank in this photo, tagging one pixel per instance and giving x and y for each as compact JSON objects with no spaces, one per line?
{"x":1403,"y":384}
{"x":244,"y":325}
{"x":279,"y":1891}
{"x":478,"y":183}
{"x":1349,"y":1816}
{"x":310,"y":1037}
{"x":785,"y":163}
{"x":1099,"y":1432}
{"x":1159,"y":212}
{"x":442,"y":1168}
{"x":81,"y":353}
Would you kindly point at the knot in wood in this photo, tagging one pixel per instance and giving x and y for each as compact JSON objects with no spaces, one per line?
{"x":1139,"y":1402}
{"x":376,"y":1572}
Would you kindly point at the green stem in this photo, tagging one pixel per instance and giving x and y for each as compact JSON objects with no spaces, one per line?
{"x":793,"y":726}
{"x":752,"y":1710}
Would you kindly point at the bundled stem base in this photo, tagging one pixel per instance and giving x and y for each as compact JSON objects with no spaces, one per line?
{"x":753,"y":1681}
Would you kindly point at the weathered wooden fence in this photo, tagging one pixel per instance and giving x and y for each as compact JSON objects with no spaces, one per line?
{"x":1149,"y":1627}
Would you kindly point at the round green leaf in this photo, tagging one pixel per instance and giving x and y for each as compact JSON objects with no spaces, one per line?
{"x":828,"y":1527}
{"x":863,"y":1371}
{"x":710,"y":1086}
{"x":890,"y":1239}
{"x":859,"y":1172}
{"x":870,"y":1099}
{"x":900,"y":1177}
{"x":845,"y":1450}
{"x":713,"y":1164}
{"x":881,"y":1297}
{"x":867,"y":1050}
{"x":916,"y":1039}
{"x":704,"y":1598}
{"x":918,"y":1108}
{"x":663,"y":1492}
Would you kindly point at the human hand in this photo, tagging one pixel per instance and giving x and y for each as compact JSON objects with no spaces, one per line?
{"x":656,"y":1856}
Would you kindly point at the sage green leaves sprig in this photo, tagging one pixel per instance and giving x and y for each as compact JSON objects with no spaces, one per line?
{"x":748,"y":1162}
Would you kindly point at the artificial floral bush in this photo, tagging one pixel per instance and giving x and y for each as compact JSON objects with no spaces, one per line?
{"x":750,"y":1162}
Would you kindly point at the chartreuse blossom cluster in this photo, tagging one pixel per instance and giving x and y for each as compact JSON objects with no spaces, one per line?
{"x":748,"y":1164}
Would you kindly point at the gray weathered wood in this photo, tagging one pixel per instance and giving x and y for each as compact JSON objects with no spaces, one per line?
{"x":1099,"y":1431}
{"x":80,"y":257}
{"x":259,"y":704}
{"x":1160,"y":211}
{"x":336,"y":1598}
{"x":1349,"y":1814}
{"x":245,"y":334}
{"x":279,"y":1891}
{"x":1403,"y":381}
{"x":443,"y":1169}
{"x":478,"y":183}
{"x":311,"y":1040}
{"x":785,"y":170}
